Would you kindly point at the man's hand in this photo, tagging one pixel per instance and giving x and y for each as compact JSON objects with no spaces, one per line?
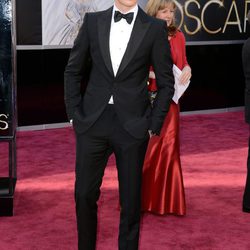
{"x":151,"y":133}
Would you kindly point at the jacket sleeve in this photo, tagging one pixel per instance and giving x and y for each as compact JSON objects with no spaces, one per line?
{"x":74,"y":70}
{"x":163,"y":69}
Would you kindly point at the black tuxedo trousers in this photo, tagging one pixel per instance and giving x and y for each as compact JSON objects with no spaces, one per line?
{"x":246,"y":196}
{"x":94,"y":147}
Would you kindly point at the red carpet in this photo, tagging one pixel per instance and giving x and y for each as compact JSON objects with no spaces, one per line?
{"x":214,"y":150}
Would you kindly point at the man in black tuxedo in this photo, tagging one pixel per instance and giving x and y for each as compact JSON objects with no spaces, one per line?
{"x":246,"y":68}
{"x":114,"y":113}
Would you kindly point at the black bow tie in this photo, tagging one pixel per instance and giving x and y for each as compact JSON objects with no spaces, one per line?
{"x":129,"y":16}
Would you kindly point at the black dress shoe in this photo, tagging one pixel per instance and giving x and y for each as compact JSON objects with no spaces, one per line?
{"x":246,"y":209}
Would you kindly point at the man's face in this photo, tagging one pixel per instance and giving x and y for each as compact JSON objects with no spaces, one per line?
{"x":125,"y":5}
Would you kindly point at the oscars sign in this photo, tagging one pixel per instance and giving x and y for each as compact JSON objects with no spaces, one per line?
{"x":3,"y":122}
{"x":213,"y":20}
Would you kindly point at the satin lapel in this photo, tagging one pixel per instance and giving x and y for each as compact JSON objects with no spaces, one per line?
{"x":104,"y":23}
{"x":140,"y":28}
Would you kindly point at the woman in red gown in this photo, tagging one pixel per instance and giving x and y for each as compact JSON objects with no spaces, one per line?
{"x":162,"y":181}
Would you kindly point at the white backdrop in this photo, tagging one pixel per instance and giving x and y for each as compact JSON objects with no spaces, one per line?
{"x":61,"y":19}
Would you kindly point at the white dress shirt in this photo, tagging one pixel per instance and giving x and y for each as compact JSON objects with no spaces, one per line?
{"x":120,"y":33}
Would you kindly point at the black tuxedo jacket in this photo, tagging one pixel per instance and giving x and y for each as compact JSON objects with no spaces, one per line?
{"x":246,"y":68}
{"x":148,"y":45}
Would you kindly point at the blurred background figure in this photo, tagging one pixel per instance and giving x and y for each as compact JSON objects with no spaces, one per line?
{"x":75,"y":11}
{"x":162,"y":182}
{"x":62,"y":19}
{"x":246,"y":69}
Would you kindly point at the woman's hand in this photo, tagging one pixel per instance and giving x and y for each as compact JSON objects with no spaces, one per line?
{"x":185,"y":75}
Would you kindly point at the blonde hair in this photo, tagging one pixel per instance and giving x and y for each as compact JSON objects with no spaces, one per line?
{"x":153,"y":6}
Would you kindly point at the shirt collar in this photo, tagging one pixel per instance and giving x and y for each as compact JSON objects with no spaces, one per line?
{"x":134,"y":9}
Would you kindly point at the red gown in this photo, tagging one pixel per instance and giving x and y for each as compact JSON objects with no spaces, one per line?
{"x":162,"y":181}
